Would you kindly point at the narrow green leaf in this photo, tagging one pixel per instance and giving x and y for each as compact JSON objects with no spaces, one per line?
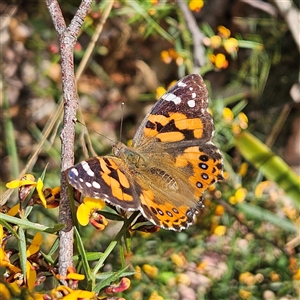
{"x":84,"y":260}
{"x":111,"y":216}
{"x":22,"y":249}
{"x":104,"y":276}
{"x":101,"y":261}
{"x":106,"y":282}
{"x":29,"y":225}
{"x":272,"y":166}
{"x":91,"y":256}
{"x":264,"y":215}
{"x":9,"y":228}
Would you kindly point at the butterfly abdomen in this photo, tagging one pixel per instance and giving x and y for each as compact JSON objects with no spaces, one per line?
{"x":164,"y":180}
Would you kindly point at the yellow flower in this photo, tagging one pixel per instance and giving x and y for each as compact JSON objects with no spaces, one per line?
{"x":4,"y":258}
{"x":28,"y":182}
{"x":179,"y":61}
{"x":275,"y":277}
{"x":35,"y":244}
{"x":215,"y":41}
{"x":220,"y":230}
{"x":236,"y":129}
{"x":247,"y":278}
{"x":221,"y":62}
{"x":232,"y":200}
{"x":240,"y":194}
{"x":243,"y":169}
{"x":261,"y":187}
{"x":159,"y":92}
{"x":137,"y":295}
{"x":14,"y":210}
{"x":228,"y":115}
{"x":39,"y":189}
{"x":245,"y":295}
{"x":138,"y":273}
{"x":224,"y":32}
{"x":231,"y":45}
{"x":28,"y":179}
{"x":196,"y":5}
{"x":80,"y":294}
{"x":87,"y":210}
{"x":154,"y":296}
{"x":296,"y":276}
{"x":151,"y":271}
{"x":225,"y":175}
{"x":178,"y":259}
{"x":30,"y":269}
{"x":219,"y":211}
{"x":183,"y":279}
{"x":243,"y":120}
{"x":69,"y":294}
{"x":165,"y":57}
{"x":4,"y":292}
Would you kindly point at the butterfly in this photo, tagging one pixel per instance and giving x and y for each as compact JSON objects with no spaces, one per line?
{"x":171,"y":162}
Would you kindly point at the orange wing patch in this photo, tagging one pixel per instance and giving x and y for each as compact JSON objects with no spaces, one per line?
{"x":174,"y":136}
{"x":116,"y":184}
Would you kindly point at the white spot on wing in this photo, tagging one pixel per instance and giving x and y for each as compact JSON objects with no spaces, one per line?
{"x":182,"y":84}
{"x":88,"y":184}
{"x":193,"y":95}
{"x":191,"y":103}
{"x":87,"y":168}
{"x":74,"y":171}
{"x":96,"y":185}
{"x":171,"y":97}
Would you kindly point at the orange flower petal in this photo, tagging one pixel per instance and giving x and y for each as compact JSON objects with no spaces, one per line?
{"x":30,"y":275}
{"x":39,"y":189}
{"x":17,"y":183}
{"x":14,"y":210}
{"x":92,"y":203}
{"x":35,"y":244}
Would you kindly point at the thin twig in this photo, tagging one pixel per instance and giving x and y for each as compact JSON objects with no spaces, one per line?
{"x":278,"y":124}
{"x":291,"y":15}
{"x":88,"y":52}
{"x":199,"y":50}
{"x":67,"y":41}
{"x":263,"y":6}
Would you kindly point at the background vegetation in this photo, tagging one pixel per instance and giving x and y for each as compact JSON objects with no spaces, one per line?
{"x":245,"y":245}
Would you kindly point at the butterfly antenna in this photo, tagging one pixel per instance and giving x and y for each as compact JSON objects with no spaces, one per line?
{"x":92,"y":130}
{"x":122,"y":119}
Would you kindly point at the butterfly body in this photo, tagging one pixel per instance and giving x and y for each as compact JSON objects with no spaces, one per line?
{"x":171,"y":163}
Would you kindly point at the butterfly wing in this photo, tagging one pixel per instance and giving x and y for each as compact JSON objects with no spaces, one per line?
{"x":179,"y":115}
{"x":175,"y":138}
{"x":105,"y":178}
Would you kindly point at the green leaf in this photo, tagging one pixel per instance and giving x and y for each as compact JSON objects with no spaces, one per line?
{"x":91,"y":256}
{"x":271,"y":165}
{"x":106,"y":282}
{"x":82,"y":253}
{"x":264,"y":215}
{"x":29,"y":225}
{"x":22,"y":249}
